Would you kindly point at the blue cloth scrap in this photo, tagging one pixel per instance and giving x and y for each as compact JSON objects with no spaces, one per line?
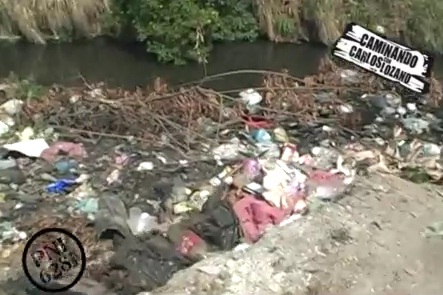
{"x":60,"y":185}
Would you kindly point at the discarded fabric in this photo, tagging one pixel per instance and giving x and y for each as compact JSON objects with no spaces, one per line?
{"x":60,"y":185}
{"x":75,"y":150}
{"x":32,"y":148}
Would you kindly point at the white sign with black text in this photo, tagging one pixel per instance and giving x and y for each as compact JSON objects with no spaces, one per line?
{"x":388,"y":59}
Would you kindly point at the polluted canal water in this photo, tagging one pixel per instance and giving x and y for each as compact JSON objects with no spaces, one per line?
{"x":128,"y":65}
{"x":209,"y":193}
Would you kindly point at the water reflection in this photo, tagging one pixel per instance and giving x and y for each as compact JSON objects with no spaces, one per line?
{"x":129,"y":65}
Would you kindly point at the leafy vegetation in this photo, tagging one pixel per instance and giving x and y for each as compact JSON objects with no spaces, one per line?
{"x":180,"y":30}
{"x":24,"y":89}
{"x":186,"y":29}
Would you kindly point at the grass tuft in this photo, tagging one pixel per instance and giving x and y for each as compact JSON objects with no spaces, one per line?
{"x":40,"y":20}
{"x":416,"y":22}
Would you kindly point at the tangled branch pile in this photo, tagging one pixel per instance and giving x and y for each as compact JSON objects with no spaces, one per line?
{"x":150,"y":114}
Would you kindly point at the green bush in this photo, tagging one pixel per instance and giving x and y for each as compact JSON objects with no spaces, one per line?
{"x":180,"y":30}
{"x":236,"y":21}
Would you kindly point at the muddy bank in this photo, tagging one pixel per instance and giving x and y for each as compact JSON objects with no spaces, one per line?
{"x":370,"y":242}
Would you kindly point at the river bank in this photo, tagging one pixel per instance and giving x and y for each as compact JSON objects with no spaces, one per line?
{"x":415,"y":22}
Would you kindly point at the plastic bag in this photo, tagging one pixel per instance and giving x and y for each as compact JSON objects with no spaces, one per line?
{"x":141,"y":222}
{"x":60,"y":185}
{"x":112,"y":215}
{"x":251,"y":168}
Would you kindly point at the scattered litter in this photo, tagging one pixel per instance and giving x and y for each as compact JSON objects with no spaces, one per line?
{"x":65,"y":166}
{"x":261,"y":136}
{"x":32,"y":148}
{"x":4,"y":128}
{"x":241,"y":247}
{"x":350,"y":76}
{"x":261,"y":167}
{"x":113,"y":177}
{"x":60,"y":185}
{"x":75,"y":150}
{"x":256,"y":216}
{"x":145,"y":166}
{"x":180,"y":192}
{"x":6,"y":164}
{"x":87,"y":205}
{"x":412,"y":107}
{"x":401,"y":111}
{"x":346,"y":108}
{"x":251,"y":97}
{"x":380,"y":29}
{"x":189,"y":242}
{"x":431,"y":149}
{"x":229,"y":151}
{"x":416,"y":125}
{"x":12,"y":106}
{"x":162,"y":159}
{"x":27,"y":133}
{"x":10,"y":233}
{"x":280,"y":135}
{"x":141,"y":222}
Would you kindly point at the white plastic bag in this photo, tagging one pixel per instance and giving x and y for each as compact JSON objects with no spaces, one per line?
{"x":141,"y":222}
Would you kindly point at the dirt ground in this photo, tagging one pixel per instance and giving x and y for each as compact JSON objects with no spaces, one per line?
{"x":372,"y":241}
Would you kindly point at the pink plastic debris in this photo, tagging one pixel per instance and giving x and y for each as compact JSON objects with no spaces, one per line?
{"x":121,"y":159}
{"x":251,"y":168}
{"x":295,"y":189}
{"x":189,"y":242}
{"x":75,"y":150}
{"x":306,"y":160}
{"x":326,"y":185}
{"x":289,"y":153}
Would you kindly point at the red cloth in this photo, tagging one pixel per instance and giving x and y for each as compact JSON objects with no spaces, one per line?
{"x":256,"y":215}
{"x":256,"y":122}
{"x":188,"y":242}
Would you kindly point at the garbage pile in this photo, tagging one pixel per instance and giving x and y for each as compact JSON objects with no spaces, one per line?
{"x":272,"y":187}
{"x":269,"y":157}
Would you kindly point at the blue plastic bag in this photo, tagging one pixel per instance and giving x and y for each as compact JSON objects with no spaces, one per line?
{"x":60,"y":185}
{"x":261,"y":136}
{"x":89,"y":205}
{"x":65,"y":166}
